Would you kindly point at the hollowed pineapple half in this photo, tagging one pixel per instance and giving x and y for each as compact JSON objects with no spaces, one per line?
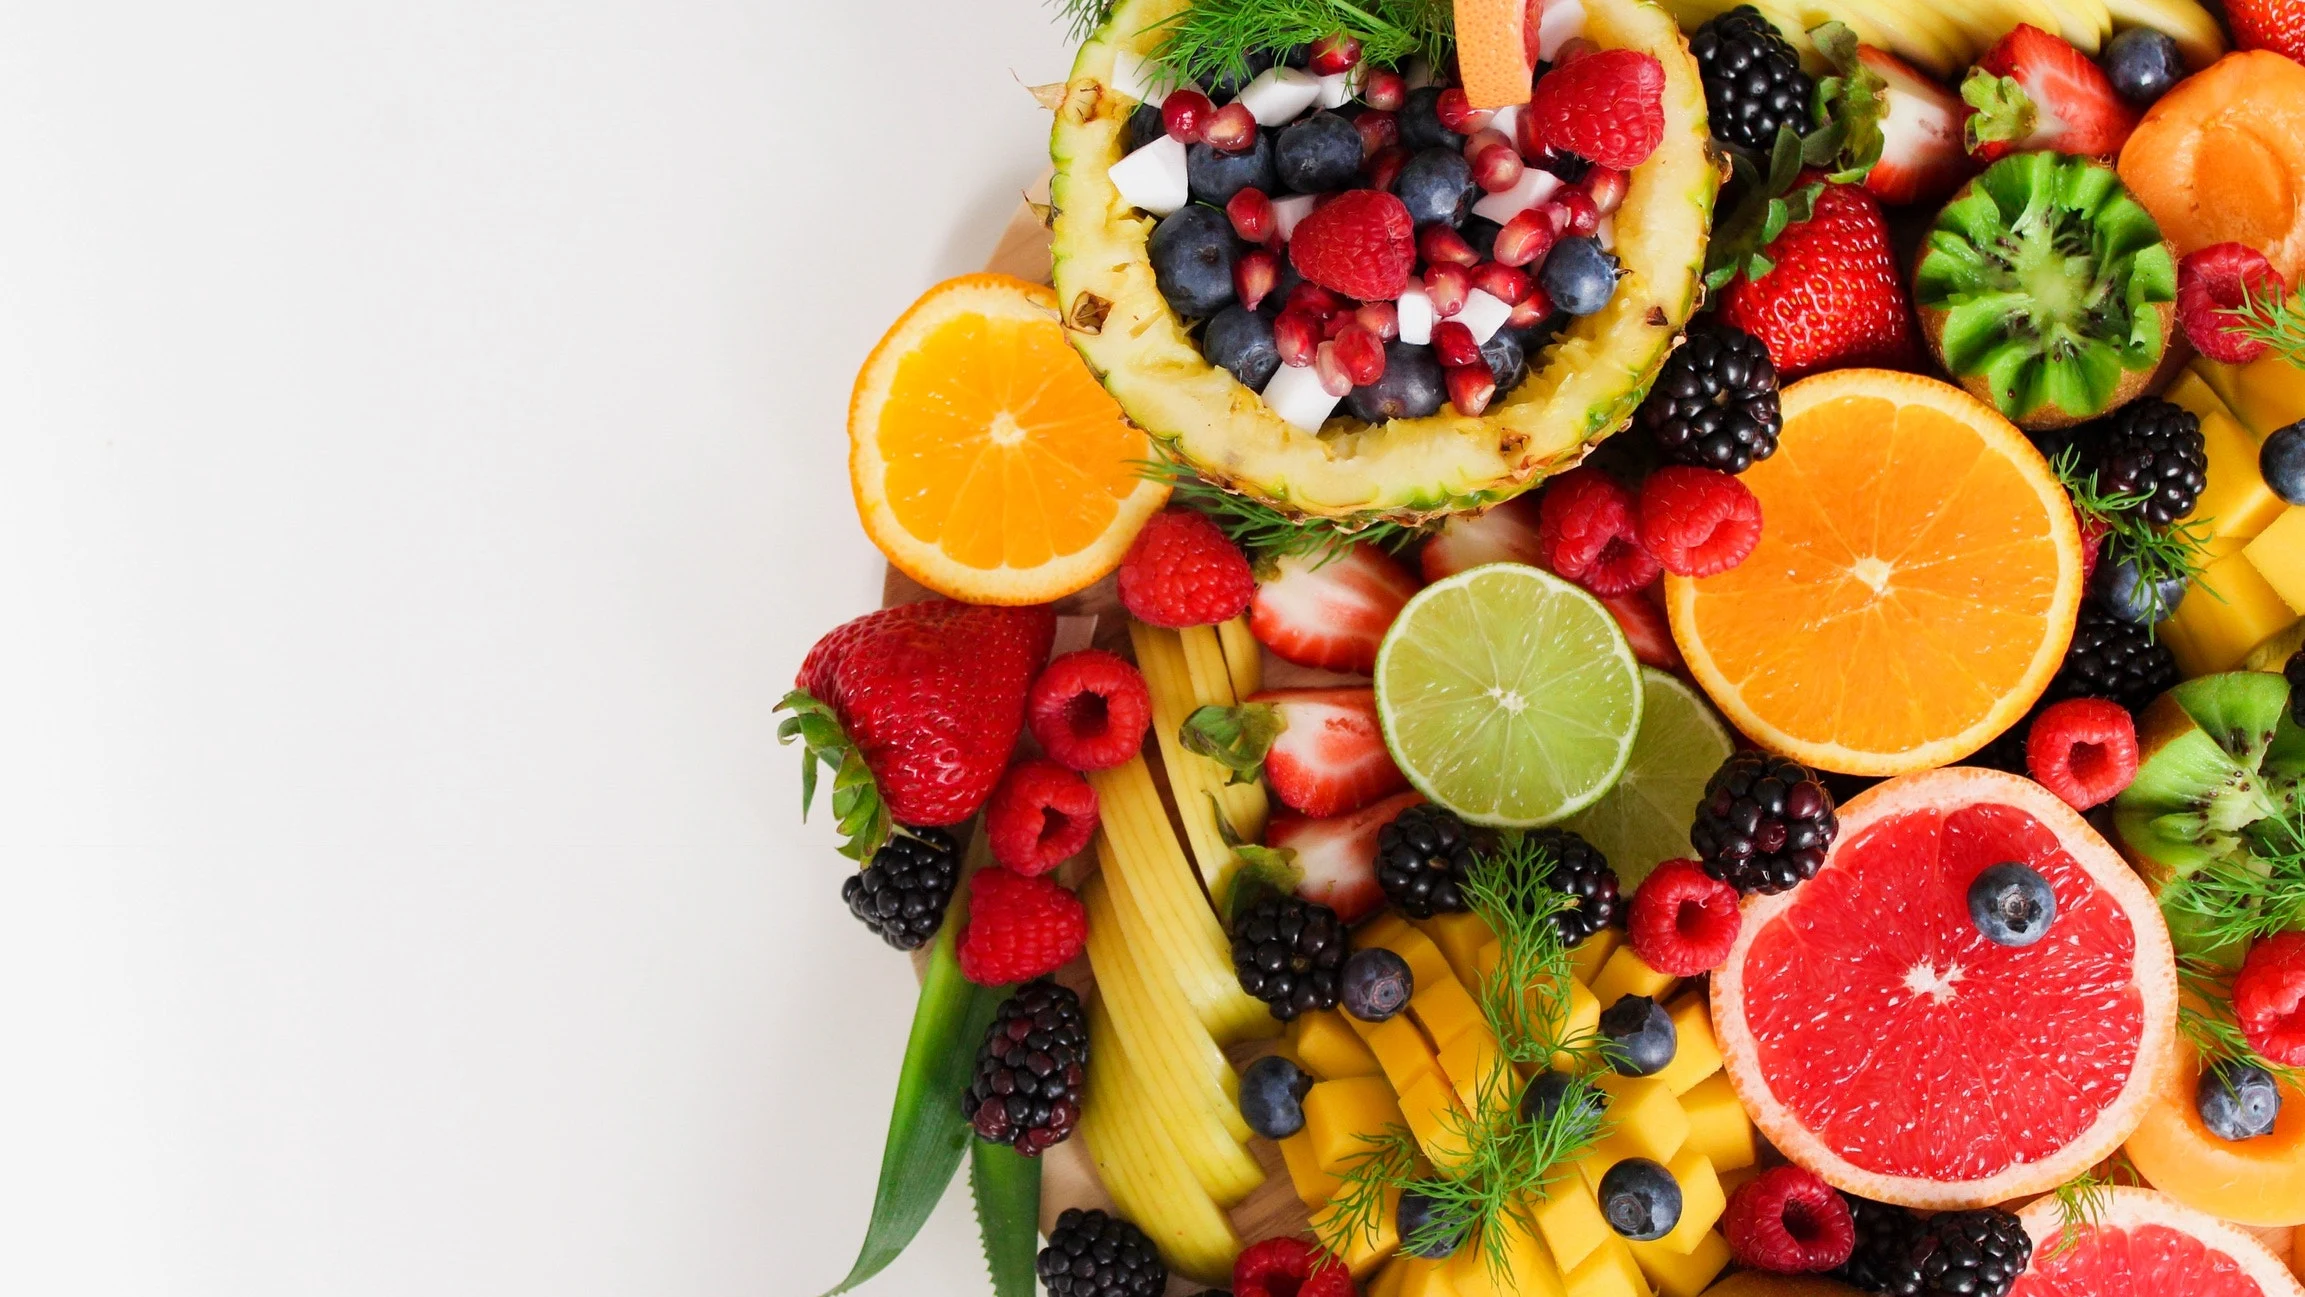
{"x":1582,"y":388}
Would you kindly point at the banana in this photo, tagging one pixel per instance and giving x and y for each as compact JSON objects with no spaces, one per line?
{"x":2086,"y":23}
{"x":2196,"y":32}
{"x":1915,"y":33}
{"x":1144,"y":1173}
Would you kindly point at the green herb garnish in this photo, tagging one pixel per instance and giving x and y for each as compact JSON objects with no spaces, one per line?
{"x":2081,"y":1201}
{"x":1268,"y":533}
{"x":2236,"y":899}
{"x":1210,"y":38}
{"x":2176,"y":552}
{"x":2275,"y":320}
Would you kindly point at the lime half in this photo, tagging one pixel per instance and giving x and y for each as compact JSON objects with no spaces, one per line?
{"x":1643,"y":820}
{"x":1508,"y":695}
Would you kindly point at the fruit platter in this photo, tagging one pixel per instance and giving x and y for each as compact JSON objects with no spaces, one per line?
{"x":1601,"y":648}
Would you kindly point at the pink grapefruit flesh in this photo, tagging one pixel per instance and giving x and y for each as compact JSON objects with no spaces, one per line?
{"x":2146,"y":1244}
{"x":1881,"y":1041}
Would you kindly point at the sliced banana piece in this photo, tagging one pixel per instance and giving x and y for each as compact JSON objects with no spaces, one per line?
{"x":2196,"y":32}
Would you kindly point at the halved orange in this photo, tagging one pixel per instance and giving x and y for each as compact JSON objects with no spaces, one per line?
{"x":988,"y":463}
{"x":1913,"y":589}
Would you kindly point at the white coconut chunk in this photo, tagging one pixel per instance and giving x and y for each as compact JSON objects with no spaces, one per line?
{"x":1280,"y":95}
{"x":1560,"y":21}
{"x":1338,"y":88}
{"x":1483,"y":314}
{"x":1507,"y":120}
{"x":1607,"y":234}
{"x":1141,"y":79}
{"x":1415,"y":309}
{"x":1535,"y":186}
{"x":1296,"y":395}
{"x":1153,"y":177}
{"x":1290,"y":210}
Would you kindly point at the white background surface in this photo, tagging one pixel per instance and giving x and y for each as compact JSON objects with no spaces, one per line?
{"x":420,"y":473}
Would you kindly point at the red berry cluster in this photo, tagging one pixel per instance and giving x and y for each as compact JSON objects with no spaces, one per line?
{"x":1599,"y":533}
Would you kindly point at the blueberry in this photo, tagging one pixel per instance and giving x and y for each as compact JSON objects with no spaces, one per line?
{"x":1481,"y":235}
{"x":1240,"y":342}
{"x":1643,"y":1034}
{"x":1192,"y":257}
{"x":1144,"y":126}
{"x":2123,"y":591}
{"x":1506,"y":359}
{"x":1426,"y":1228}
{"x":1317,"y":154}
{"x":1579,"y":275}
{"x":1641,"y":1199}
{"x":2142,"y":64}
{"x":2238,"y":1101}
{"x":1213,"y":176}
{"x":2012,"y":905}
{"x":1227,"y":84}
{"x":1376,"y":984}
{"x":1273,"y":1096}
{"x":1545,"y":1093}
{"x":1436,"y":185}
{"x":1421,"y":122}
{"x":1412,"y":387}
{"x":1568,"y":168}
{"x":2281,"y":461}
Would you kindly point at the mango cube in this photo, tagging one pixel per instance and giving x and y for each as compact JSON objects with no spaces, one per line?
{"x":1529,"y":1267}
{"x":2264,"y":394}
{"x":1388,"y":1280}
{"x":1385,"y":926}
{"x":2221,"y":628}
{"x":1586,"y":958}
{"x":1609,"y":1272}
{"x":1445,"y":1010}
{"x":1701,"y":1202}
{"x":1367,"y":1246}
{"x":1584,"y":1021}
{"x":1422,"y":1278}
{"x":1402,"y":1052}
{"x":1338,"y":1113}
{"x":1696,"y":1055}
{"x":1314,"y":1184}
{"x":2278,"y":554}
{"x":1718,"y":1126}
{"x":1645,"y":1120}
{"x":2236,"y":501}
{"x":1328,"y":1048}
{"x":1474,"y":1062}
{"x":1731,"y":1181}
{"x":1427,"y":965}
{"x":1485,"y":961}
{"x":1431,"y":1111}
{"x":1570,"y":1220}
{"x":1625,"y":974}
{"x":1683,"y":1274}
{"x":1460,"y":937}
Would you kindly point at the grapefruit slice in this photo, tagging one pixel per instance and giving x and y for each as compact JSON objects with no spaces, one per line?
{"x":2145,"y":1244}
{"x":1881,"y":1041}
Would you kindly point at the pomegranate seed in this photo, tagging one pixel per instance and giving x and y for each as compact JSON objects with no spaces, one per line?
{"x":1572,"y":49}
{"x":1313,"y":300}
{"x":1335,"y":323}
{"x":1386,"y":166}
{"x":1482,"y":139}
{"x":1529,"y":138}
{"x":1334,"y":379}
{"x":1295,"y":335}
{"x":1254,"y":274}
{"x":1252,"y":214}
{"x":1185,"y":116}
{"x":1379,"y":131}
{"x":1536,"y":308}
{"x":1606,"y":187}
{"x":1525,"y":239}
{"x":1334,"y":54}
{"x":1441,"y":245}
{"x":1385,"y":90}
{"x":1457,"y":113}
{"x":1498,"y":168}
{"x":1471,"y":388}
{"x":1231,"y":129}
{"x":1583,"y":215}
{"x":1498,"y":280}
{"x":1380,"y":318}
{"x":1447,"y":285}
{"x":1453,"y":344}
{"x":1362,"y":354}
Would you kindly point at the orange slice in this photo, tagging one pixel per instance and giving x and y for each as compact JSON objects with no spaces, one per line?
{"x":1914,"y":586}
{"x":988,"y":463}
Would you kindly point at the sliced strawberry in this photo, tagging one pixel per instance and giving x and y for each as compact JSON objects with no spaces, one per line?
{"x":2033,"y":90}
{"x":1330,"y":755}
{"x":1339,"y":855}
{"x":1646,"y":629}
{"x":1506,"y":533}
{"x":1333,"y":614}
{"x":1922,"y":158}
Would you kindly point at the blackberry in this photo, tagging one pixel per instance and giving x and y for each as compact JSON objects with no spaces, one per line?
{"x":1290,"y":954}
{"x":1753,"y":79}
{"x":2150,"y":448}
{"x":1952,"y":1254}
{"x":1029,"y":1071}
{"x":1422,"y":857}
{"x":1092,"y":1254}
{"x":2110,"y":658}
{"x":1884,"y":1236}
{"x":1715,"y":403}
{"x":1765,"y":823}
{"x":902,"y":894}
{"x":1583,"y":872}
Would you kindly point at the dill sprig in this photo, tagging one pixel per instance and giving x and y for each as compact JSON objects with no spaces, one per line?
{"x":1526,"y":997}
{"x":2251,"y":893}
{"x":2176,"y":552}
{"x":1268,"y":533}
{"x":1212,"y":38}
{"x":2274,"y":319}
{"x":2204,"y":1019}
{"x":2081,"y":1201}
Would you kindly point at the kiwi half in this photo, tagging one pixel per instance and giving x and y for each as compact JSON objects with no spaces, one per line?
{"x":2216,"y":755}
{"x":2046,"y":289}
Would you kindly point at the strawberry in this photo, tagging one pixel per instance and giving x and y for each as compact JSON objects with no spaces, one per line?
{"x":1607,"y":107}
{"x":1330,"y":612}
{"x":1506,"y":533}
{"x":916,"y":709}
{"x":1322,"y":750}
{"x":1922,"y":159}
{"x":1832,"y":296}
{"x":2277,"y":25}
{"x":1360,"y":243}
{"x":1645,"y":628}
{"x":2033,"y":90}
{"x":1338,"y":856}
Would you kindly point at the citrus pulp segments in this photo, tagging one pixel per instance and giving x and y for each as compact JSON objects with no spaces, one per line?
{"x":987,"y":462}
{"x":1643,"y":819}
{"x":2146,"y":1244}
{"x":1914,"y":586}
{"x":1508,"y":695}
{"x":1879,"y":1040}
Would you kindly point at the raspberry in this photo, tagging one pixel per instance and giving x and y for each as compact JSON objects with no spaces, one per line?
{"x":1607,"y":107}
{"x":1041,"y":816}
{"x":1018,"y":928}
{"x":2083,"y":749}
{"x":1279,"y":1267}
{"x":1788,"y":1221}
{"x":1698,"y":521}
{"x":2210,"y":282}
{"x":1360,"y":243}
{"x":1181,"y":571}
{"x":1089,"y":710}
{"x":1585,"y":524}
{"x":2269,"y":998}
{"x":1684,"y":920}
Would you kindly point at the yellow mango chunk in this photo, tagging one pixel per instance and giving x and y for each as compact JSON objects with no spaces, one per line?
{"x":1625,"y":974}
{"x":1427,"y":965}
{"x":1445,"y":1010}
{"x":1609,"y":1272}
{"x":1586,"y":958}
{"x":1314,"y":1184}
{"x":2236,"y":502}
{"x":1460,"y":937}
{"x":1402,"y":1052}
{"x":1365,"y":1245}
{"x":1528,"y":1269}
{"x":2219,"y":632}
{"x":1701,"y":1202}
{"x":1388,"y":1280}
{"x":1431,"y":1111}
{"x":1473,"y":1062}
{"x":1731,"y":1181}
{"x":2278,"y":554}
{"x":1385,"y":927}
{"x":1683,"y":1274}
{"x":1645,"y":1117}
{"x":1338,"y":1113}
{"x":1696,"y":1055}
{"x":2264,"y":394}
{"x":1570,"y":1220}
{"x":1718,"y":1126}
{"x":1422,"y":1278}
{"x":1329,"y":1049}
